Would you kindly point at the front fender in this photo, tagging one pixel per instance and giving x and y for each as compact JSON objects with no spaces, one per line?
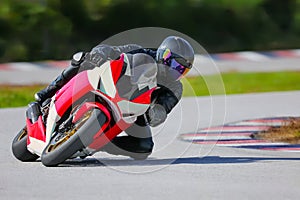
{"x":89,"y":106}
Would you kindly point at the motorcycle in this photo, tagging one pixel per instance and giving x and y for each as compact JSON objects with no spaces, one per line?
{"x":86,"y":113}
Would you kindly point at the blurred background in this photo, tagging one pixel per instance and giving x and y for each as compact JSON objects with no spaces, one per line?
{"x":33,"y":30}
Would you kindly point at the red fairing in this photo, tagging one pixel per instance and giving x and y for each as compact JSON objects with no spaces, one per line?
{"x":144,"y":98}
{"x":111,"y":133}
{"x":71,"y":92}
{"x":116,"y":68}
{"x":36,"y":130}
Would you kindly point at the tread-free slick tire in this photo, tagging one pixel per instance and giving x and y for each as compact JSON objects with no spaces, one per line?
{"x":82,"y":138}
{"x":19,"y":148}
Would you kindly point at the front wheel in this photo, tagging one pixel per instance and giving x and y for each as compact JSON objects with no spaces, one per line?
{"x":19,"y":147}
{"x":65,"y":144}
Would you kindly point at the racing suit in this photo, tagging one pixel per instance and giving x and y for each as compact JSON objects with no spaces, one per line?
{"x":164,"y":99}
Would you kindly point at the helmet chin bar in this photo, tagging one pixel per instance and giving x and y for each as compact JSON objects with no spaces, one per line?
{"x":174,"y":74}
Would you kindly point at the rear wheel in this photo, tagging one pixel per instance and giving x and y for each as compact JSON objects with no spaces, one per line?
{"x":66,"y":143}
{"x":19,"y":147}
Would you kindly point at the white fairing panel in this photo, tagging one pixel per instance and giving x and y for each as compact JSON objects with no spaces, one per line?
{"x":36,"y":146}
{"x":132,"y":110}
{"x":103,"y":72}
{"x":53,"y":117}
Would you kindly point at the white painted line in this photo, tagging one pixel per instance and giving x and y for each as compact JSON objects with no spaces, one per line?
{"x":241,"y":143}
{"x":250,"y":144}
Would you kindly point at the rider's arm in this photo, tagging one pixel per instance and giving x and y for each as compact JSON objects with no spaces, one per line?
{"x":168,"y":96}
{"x":164,"y":99}
{"x":101,"y":53}
{"x":148,"y":51}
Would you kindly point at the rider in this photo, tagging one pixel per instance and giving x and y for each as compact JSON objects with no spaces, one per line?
{"x":174,"y":58}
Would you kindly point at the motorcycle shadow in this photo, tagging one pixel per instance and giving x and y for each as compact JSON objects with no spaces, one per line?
{"x":102,"y":162}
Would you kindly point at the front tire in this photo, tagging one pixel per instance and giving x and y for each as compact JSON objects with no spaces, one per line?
{"x":63,"y":146}
{"x":19,"y":147}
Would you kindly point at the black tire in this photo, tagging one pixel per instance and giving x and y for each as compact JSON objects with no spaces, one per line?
{"x":19,"y":147}
{"x":52,"y":156}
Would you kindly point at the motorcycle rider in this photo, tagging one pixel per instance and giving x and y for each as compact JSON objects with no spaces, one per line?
{"x":174,"y":58}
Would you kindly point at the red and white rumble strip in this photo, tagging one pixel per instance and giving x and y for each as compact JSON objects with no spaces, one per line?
{"x":239,"y":135}
{"x":232,"y":56}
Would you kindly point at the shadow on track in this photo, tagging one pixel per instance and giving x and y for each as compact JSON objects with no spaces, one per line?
{"x":94,"y":162}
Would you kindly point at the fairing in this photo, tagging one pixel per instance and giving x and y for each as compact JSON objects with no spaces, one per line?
{"x":102,"y":82}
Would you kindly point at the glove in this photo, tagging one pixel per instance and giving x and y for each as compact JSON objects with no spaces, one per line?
{"x":166,"y":98}
{"x":156,"y":115}
{"x":97,"y":56}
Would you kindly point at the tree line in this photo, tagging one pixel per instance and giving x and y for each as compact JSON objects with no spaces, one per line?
{"x":54,"y":29}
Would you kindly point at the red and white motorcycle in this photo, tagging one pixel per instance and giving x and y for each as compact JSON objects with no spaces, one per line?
{"x":86,"y":113}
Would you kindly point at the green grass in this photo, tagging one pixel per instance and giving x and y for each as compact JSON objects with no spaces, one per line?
{"x":240,"y":83}
{"x":230,"y":83}
{"x":16,"y":96}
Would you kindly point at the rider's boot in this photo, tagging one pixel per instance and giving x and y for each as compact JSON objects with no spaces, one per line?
{"x":137,"y":148}
{"x":138,"y":144}
{"x":61,"y":80}
{"x":134,"y":144}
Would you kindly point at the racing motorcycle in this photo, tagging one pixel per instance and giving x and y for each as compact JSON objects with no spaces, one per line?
{"x":86,"y":113}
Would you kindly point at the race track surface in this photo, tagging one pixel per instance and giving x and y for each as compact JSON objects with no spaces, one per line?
{"x":176,"y":169}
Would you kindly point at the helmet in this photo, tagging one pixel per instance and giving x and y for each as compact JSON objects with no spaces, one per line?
{"x":177,"y":54}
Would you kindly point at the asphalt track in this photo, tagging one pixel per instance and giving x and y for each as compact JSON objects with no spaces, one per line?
{"x":176,"y":170}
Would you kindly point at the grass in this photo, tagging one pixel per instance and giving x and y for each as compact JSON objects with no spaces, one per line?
{"x":229,"y":83}
{"x":240,"y":83}
{"x":289,"y":133}
{"x":17,"y":95}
